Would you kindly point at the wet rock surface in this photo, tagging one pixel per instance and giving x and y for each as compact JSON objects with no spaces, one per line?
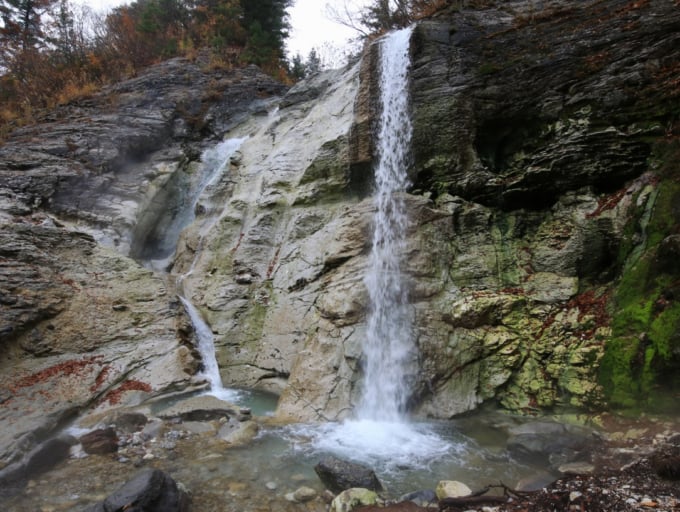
{"x":151,"y":490}
{"x":82,"y":325}
{"x":339,"y":475}
{"x":218,"y":476}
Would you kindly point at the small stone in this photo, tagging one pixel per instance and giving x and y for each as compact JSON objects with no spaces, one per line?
{"x":576,"y":468}
{"x":304,"y":494}
{"x":100,"y":441}
{"x":272,"y":486}
{"x":452,"y":489}
{"x":352,"y":498}
{"x":574,"y":495}
{"x":649,"y":504}
{"x":148,"y":456}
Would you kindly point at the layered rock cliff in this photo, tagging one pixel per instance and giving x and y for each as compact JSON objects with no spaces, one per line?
{"x":540,"y":255}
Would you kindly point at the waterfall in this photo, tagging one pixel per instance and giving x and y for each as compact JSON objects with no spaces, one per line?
{"x":216,"y":160}
{"x":379,"y":435}
{"x":206,"y":347}
{"x":159,"y":247}
{"x":388,"y":347}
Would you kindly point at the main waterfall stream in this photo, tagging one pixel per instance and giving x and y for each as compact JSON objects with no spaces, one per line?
{"x":381,"y":434}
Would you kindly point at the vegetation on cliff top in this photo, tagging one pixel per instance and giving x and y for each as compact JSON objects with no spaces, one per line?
{"x":52,"y":51}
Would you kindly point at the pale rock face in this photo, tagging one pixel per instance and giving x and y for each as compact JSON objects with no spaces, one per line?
{"x":113,"y":339}
{"x":281,"y":269}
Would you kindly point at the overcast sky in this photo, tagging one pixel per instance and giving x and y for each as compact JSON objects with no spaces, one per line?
{"x":310,"y":27}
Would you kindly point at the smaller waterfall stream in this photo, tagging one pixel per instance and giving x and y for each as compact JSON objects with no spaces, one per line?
{"x":215,"y":160}
{"x":206,"y":347}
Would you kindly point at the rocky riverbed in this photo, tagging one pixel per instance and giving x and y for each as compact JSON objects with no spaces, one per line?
{"x":226,"y":459}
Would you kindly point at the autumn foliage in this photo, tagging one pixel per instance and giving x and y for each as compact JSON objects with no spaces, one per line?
{"x":52,"y":51}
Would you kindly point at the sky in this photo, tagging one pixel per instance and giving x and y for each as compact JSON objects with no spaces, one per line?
{"x":310,"y":26}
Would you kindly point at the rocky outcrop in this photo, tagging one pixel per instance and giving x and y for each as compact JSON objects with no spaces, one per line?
{"x":82,"y":325}
{"x":339,"y":475}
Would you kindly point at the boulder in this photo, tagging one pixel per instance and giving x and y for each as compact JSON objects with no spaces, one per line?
{"x":200,"y":408}
{"x":100,"y":441}
{"x":542,"y":441}
{"x":239,"y":432}
{"x":40,"y":459}
{"x":350,"y":499}
{"x":304,"y":494}
{"x":452,"y":489}
{"x":128,"y":422}
{"x":339,"y":475}
{"x":150,"y":490}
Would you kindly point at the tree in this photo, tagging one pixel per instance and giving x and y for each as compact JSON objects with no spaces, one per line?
{"x":297,"y":67}
{"x":22,"y":27}
{"x":380,"y":15}
{"x":313,"y":65}
{"x":266,"y":22}
{"x":383,"y":15}
{"x":217,"y":23}
{"x":68,"y":34}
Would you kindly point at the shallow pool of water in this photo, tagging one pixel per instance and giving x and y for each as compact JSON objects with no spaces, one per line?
{"x":257,"y":476}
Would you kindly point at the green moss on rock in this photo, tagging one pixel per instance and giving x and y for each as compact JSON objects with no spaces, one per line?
{"x":643,"y":355}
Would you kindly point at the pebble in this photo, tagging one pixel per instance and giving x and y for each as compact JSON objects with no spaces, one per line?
{"x":574,"y":495}
{"x":148,"y":456}
{"x":272,"y":486}
{"x":304,"y":494}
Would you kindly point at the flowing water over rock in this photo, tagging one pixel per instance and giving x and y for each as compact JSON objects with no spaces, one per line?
{"x":215,"y":162}
{"x":510,"y":304}
{"x":206,"y":347}
{"x":389,"y":348}
{"x":381,"y":435}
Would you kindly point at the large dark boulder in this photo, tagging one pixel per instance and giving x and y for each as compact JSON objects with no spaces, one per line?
{"x":100,"y":441}
{"x":151,"y":490}
{"x":339,"y":475}
{"x":42,"y":458}
{"x":543,"y":441}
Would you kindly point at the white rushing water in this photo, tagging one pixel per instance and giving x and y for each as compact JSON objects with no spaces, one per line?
{"x":388,"y":347}
{"x":206,"y":347}
{"x":216,"y":161}
{"x":381,"y":435}
{"x":213,"y":162}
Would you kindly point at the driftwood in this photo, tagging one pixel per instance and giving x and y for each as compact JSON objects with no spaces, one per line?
{"x":481,"y":498}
